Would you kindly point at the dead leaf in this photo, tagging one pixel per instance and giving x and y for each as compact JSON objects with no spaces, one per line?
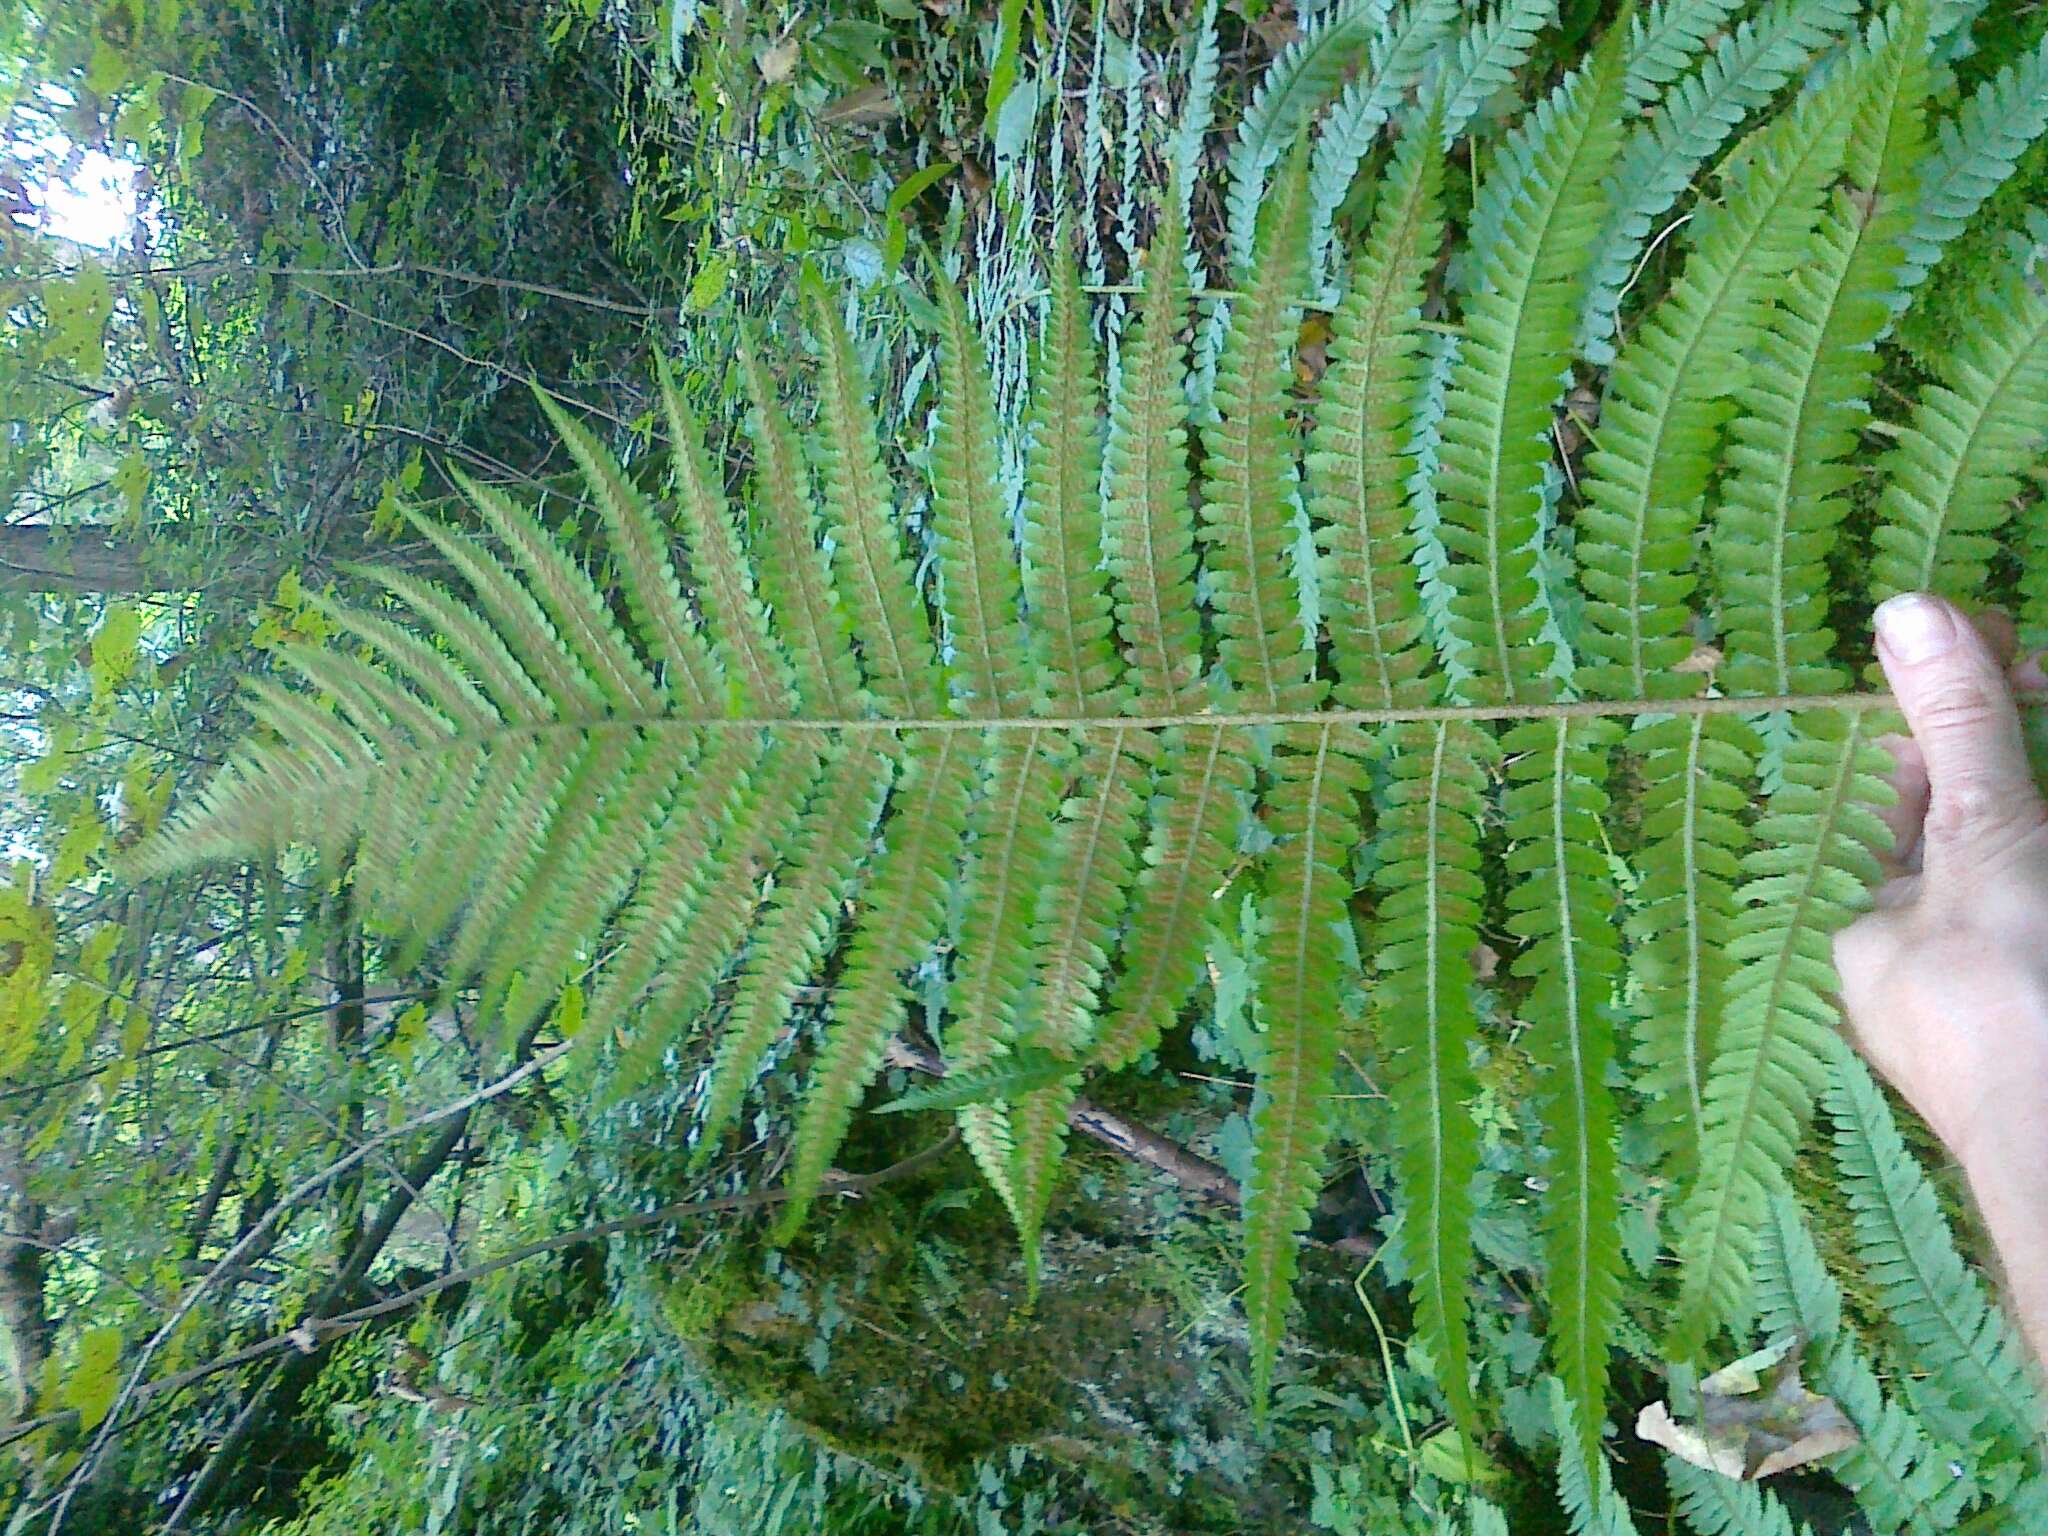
{"x":1485,"y":962}
{"x":1704,"y":659}
{"x":777,"y":63}
{"x":1756,"y":1418}
{"x":869,"y":104}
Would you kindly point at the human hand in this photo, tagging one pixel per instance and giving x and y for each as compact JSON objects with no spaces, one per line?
{"x":1946,"y":980}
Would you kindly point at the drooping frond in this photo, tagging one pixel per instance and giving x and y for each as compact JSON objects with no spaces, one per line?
{"x":1954,"y":476}
{"x":1901,"y":1478}
{"x":1929,"y":1298}
{"x":868,"y":561}
{"x":1295,"y":86}
{"x":1399,"y":53}
{"x":1666,"y":403}
{"x":1561,"y":906}
{"x":1977,"y":150}
{"x":1748,"y":66}
{"x":1250,"y":451}
{"x":1311,"y":810}
{"x":1430,"y":895}
{"x":1487,"y":57}
{"x":1802,"y":411}
{"x":1518,"y":327}
{"x":1695,"y":774}
{"x":1806,"y":876}
{"x":1358,"y":464}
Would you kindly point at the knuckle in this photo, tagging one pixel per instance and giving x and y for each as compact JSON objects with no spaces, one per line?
{"x":1957,"y":707}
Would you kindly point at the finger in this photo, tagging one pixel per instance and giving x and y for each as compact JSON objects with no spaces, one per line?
{"x":1999,"y":632}
{"x":1958,"y":704}
{"x":1908,"y":813}
{"x":2028,"y":675}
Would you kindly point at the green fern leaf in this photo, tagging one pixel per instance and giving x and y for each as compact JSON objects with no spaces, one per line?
{"x":1518,"y":326}
{"x":886,"y":615}
{"x":1430,"y":896}
{"x":1901,"y":1480}
{"x":1953,"y":479}
{"x":1807,"y":876}
{"x":796,"y":578}
{"x":1665,"y":38}
{"x":1021,"y":1072}
{"x":1487,"y":57}
{"x":1930,"y":1298}
{"x":1312,"y":812}
{"x":1694,"y":774}
{"x":903,"y":913}
{"x":802,"y":917}
{"x":1358,"y":465}
{"x":1561,"y":905}
{"x":1802,"y":411}
{"x":1717,"y":1505}
{"x":1585,"y":1488}
{"x":1665,"y":404}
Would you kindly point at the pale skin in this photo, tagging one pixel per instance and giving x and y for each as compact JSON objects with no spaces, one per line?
{"x":1945,"y":980}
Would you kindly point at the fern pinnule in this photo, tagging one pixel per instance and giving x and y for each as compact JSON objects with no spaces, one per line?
{"x":873,"y":575}
{"x":1801,"y":413}
{"x":1560,"y":905}
{"x":1930,"y":1299}
{"x":1430,"y":894}
{"x":1806,"y":875}
{"x":1312,"y":812}
{"x":1953,"y":479}
{"x":903,"y":909}
{"x":1748,"y":66}
{"x":796,"y":931}
{"x":734,"y":619}
{"x":1536,"y":205}
{"x":1358,"y":464}
{"x":1661,"y":418}
{"x":1665,"y":38}
{"x":1149,"y":519}
{"x":647,"y":578}
{"x":1694,"y":773}
{"x":1487,"y":57}
{"x":795,"y":574}
{"x":1901,"y":1477}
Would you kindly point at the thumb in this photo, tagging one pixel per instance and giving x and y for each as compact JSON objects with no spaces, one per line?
{"x":1959,"y":706}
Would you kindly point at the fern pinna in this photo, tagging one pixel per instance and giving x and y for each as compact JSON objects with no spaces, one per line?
{"x":759,"y":752}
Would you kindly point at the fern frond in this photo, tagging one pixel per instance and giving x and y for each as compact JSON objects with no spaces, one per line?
{"x":1487,"y":57}
{"x":1717,"y":1505}
{"x":1249,"y":452}
{"x":1294,"y":87}
{"x":1430,"y":896}
{"x":795,"y":576}
{"x":1585,"y":1489}
{"x":1517,"y":344}
{"x":1901,"y":1480}
{"x":1747,"y":68}
{"x":1149,"y":528}
{"x":977,"y":558}
{"x":1399,"y":52}
{"x":1096,"y":852}
{"x":1665,"y":38}
{"x":1977,"y":151}
{"x":1561,"y":905}
{"x":1665,"y":404}
{"x":1203,"y":775}
{"x":903,"y":912}
{"x":1358,"y":463}
{"x":868,"y":563}
{"x":1957,"y":1335}
{"x":1807,"y":875}
{"x":1802,"y":410}
{"x":1954,"y":476}
{"x":803,"y":914}
{"x":733,"y":614}
{"x":653,"y":596}
{"x":1312,"y":812}
{"x":1695,"y":774}
{"x":1066,"y":590}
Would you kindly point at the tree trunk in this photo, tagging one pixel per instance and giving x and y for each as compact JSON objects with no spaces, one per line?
{"x":24,"y":1316}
